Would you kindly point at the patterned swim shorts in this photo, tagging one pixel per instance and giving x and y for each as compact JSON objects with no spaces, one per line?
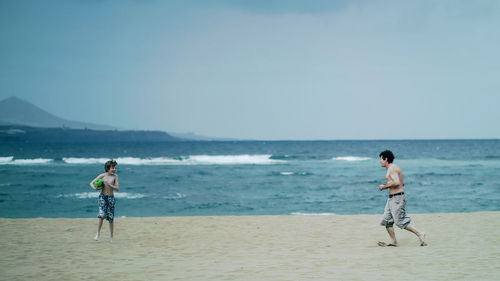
{"x":106,"y":207}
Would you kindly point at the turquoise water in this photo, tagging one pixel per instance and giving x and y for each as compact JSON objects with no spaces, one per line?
{"x":248,"y":178}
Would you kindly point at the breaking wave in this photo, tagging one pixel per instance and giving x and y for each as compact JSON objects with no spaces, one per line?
{"x":11,"y":161}
{"x":86,"y":195}
{"x":351,"y":158}
{"x":188,"y":160}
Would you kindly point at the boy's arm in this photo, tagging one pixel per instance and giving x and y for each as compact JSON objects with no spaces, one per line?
{"x":117,"y":186}
{"x":92,"y":182}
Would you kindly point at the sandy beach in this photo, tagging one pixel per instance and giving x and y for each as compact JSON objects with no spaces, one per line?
{"x":462,"y":246}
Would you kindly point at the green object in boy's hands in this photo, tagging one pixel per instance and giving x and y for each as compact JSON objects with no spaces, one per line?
{"x":99,"y":183}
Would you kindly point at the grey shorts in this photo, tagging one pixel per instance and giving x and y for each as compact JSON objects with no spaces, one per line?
{"x":395,"y":212}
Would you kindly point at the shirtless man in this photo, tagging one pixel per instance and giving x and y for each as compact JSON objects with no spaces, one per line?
{"x":396,"y":204}
{"x":107,"y":198}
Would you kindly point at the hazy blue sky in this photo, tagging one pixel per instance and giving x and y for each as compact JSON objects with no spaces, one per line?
{"x":260,"y":69}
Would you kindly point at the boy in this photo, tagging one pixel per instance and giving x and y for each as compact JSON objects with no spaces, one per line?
{"x":107,"y":198}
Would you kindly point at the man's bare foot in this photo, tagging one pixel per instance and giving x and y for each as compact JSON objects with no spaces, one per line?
{"x":421,"y":236}
{"x":112,"y":240}
{"x":96,"y":237}
{"x":383,"y":244}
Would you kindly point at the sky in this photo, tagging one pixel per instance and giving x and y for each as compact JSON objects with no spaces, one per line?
{"x":266,"y":70}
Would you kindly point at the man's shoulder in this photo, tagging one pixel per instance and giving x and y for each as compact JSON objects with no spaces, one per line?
{"x":394,"y":167}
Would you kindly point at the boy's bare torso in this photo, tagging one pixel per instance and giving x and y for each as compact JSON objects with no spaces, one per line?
{"x":110,"y":179}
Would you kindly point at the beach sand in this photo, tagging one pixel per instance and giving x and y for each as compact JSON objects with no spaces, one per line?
{"x":462,"y":246}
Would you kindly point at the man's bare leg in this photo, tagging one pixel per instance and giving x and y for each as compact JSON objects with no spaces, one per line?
{"x":390,"y":230}
{"x":394,"y":243}
{"x":420,"y":235}
{"x":111,"y":228}
{"x":99,"y":225}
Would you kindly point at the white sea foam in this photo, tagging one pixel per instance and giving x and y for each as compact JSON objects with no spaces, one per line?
{"x":294,"y":173}
{"x":31,"y":161}
{"x":74,"y":160}
{"x":314,"y":214}
{"x":189,"y":160}
{"x":232,"y":159}
{"x":121,"y":160}
{"x":11,"y":161}
{"x":176,"y":196}
{"x":129,"y":195}
{"x":6,"y":160}
{"x":146,"y":161}
{"x":351,"y":158}
{"x":86,"y":195}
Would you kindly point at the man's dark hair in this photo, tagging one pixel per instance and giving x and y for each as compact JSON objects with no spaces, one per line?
{"x":109,"y":164}
{"x":387,"y":155}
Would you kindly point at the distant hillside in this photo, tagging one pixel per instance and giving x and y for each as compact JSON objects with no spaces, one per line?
{"x":15,"y":111}
{"x":66,"y":135}
{"x":22,"y":121}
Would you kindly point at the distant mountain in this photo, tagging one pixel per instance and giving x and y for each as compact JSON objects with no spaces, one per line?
{"x":15,"y":111}
{"x":22,"y":121}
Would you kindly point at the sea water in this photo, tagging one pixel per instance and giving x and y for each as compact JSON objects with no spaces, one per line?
{"x":248,"y":177}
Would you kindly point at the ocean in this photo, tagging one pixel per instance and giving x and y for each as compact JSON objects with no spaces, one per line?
{"x":248,"y":177}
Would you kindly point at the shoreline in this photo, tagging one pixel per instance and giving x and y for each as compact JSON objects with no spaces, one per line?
{"x":299,"y":214}
{"x":462,"y":246}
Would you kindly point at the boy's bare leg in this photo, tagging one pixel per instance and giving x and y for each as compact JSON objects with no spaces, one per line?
{"x":111,"y":229}
{"x":99,"y":225}
{"x":420,"y":235}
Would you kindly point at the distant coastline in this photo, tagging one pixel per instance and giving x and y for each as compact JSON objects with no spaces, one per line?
{"x":22,"y":134}
{"x":17,"y":133}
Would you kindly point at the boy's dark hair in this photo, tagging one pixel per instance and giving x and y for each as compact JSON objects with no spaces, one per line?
{"x":387,"y":155}
{"x":109,"y":164}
